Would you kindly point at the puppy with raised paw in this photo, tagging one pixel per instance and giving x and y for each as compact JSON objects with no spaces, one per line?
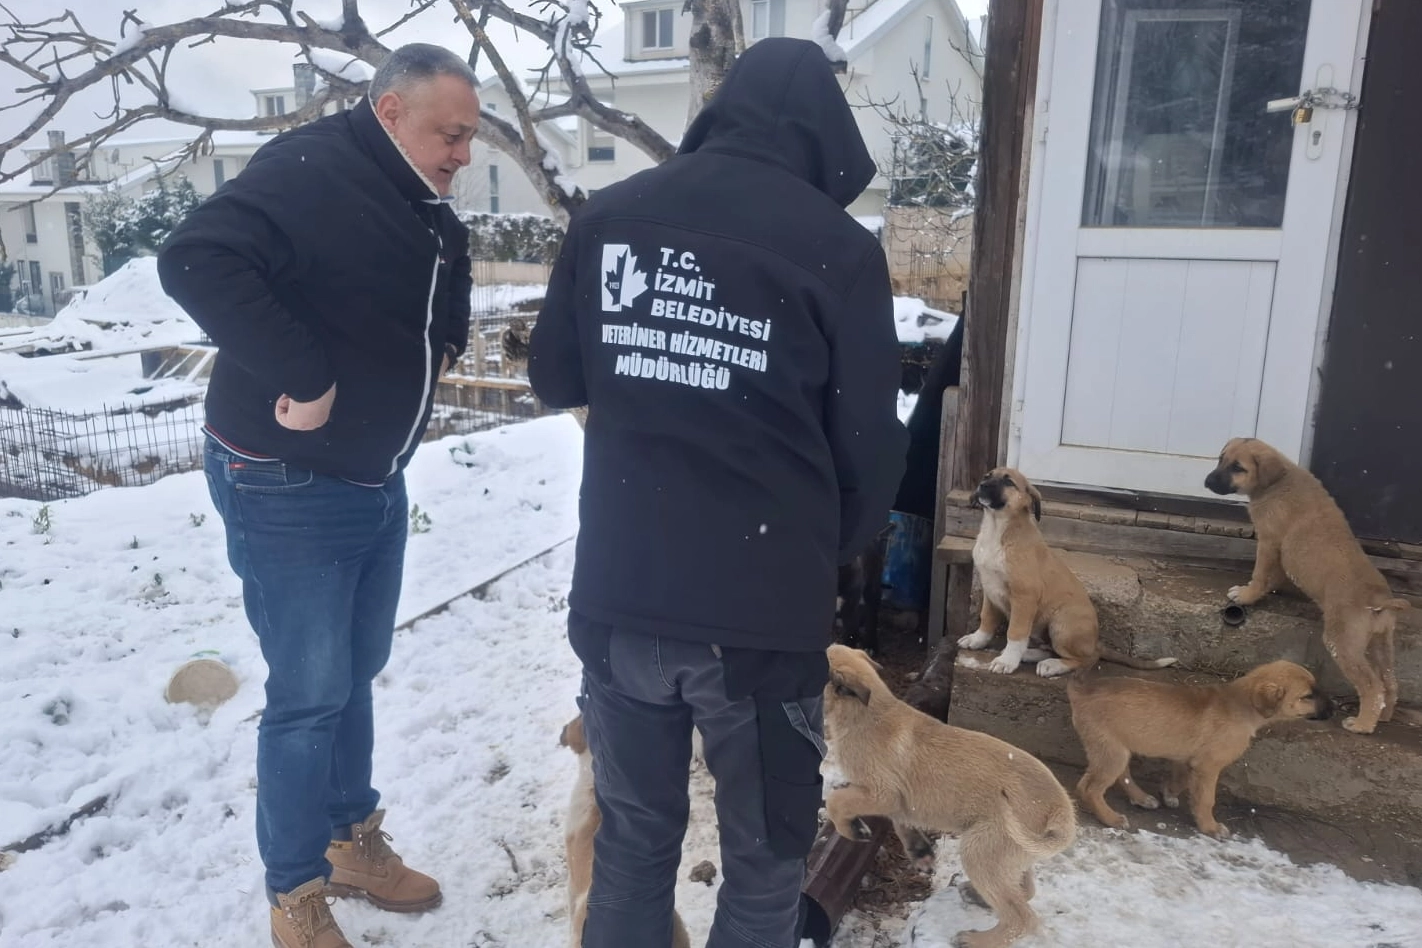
{"x":926,"y":776}
{"x":1302,"y":536}
{"x":1201,"y":729}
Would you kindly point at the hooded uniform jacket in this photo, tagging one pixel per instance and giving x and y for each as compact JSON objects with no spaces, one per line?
{"x":328,"y":259}
{"x":730,"y":328}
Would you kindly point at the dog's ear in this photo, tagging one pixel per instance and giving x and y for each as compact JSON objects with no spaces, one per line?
{"x":1266,"y":698}
{"x":572,"y":736}
{"x":1269,"y":466}
{"x":1036,"y":496}
{"x":849,"y":687}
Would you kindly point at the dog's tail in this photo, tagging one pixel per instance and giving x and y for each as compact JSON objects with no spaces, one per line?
{"x":1058,"y":830}
{"x":1118,"y":658}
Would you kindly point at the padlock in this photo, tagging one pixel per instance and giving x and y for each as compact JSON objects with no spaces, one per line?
{"x":1303,"y":115}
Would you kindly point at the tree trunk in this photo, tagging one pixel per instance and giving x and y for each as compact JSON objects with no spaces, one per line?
{"x":717,"y":38}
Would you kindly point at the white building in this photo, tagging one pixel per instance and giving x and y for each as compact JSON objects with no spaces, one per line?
{"x":887,"y":41}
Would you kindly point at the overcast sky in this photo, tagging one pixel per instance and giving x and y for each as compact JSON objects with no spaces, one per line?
{"x":219,"y":76}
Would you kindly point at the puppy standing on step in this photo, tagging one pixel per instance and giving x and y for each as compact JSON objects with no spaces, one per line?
{"x":1303,"y":537}
{"x":1006,"y":806}
{"x":1202,"y":729}
{"x":1029,"y":586}
{"x":583,"y":820}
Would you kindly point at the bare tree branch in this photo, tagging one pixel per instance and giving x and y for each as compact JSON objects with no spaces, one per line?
{"x":58,"y":58}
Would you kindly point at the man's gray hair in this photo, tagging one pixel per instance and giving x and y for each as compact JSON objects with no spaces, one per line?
{"x":415,"y":63}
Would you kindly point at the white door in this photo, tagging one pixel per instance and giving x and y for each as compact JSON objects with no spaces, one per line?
{"x":1184,"y":234}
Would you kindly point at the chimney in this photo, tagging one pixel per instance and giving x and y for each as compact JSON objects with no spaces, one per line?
{"x":304,"y":76}
{"x":64,"y":171}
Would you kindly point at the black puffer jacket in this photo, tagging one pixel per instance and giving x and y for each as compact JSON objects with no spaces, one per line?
{"x":328,"y":259}
{"x":731,"y":330}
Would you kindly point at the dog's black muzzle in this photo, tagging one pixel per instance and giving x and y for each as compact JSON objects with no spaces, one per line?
{"x":1219,"y":481}
{"x":990,"y":493}
{"x":1322,"y":708}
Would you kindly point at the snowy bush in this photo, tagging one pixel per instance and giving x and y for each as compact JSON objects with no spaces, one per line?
{"x":514,"y":238}
{"x":124,"y":227}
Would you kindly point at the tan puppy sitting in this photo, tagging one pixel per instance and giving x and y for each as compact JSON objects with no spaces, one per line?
{"x":1202,"y":729}
{"x":1026,"y":584}
{"x":1303,"y":537}
{"x":1006,"y":806}
{"x":583,"y":820}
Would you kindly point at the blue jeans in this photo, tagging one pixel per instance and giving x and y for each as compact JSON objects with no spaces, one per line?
{"x":320,"y":561}
{"x":642,"y":695}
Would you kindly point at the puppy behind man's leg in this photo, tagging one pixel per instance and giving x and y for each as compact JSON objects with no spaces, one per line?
{"x":583,"y":820}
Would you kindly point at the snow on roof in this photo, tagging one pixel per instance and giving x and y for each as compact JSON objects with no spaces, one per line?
{"x":610,"y":47}
{"x":126,"y":310}
{"x":859,"y":33}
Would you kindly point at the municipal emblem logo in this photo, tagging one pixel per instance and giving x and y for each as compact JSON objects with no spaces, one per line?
{"x":622,"y":282}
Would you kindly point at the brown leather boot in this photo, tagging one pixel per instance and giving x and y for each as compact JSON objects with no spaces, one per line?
{"x":366,"y":867}
{"x":302,"y":919}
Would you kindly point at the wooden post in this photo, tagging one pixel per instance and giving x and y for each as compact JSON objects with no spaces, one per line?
{"x":947,"y":450}
{"x":1009,"y":87}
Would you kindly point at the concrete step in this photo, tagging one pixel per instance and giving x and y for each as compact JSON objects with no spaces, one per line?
{"x":1368,"y":786}
{"x":1155,"y":609}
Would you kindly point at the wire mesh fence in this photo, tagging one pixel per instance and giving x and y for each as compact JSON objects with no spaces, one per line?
{"x":46,"y":454}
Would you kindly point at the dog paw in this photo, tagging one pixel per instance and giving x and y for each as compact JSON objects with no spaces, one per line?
{"x":1219,"y":831}
{"x":1052,"y":667}
{"x":1171,"y":802}
{"x":1234,"y":593}
{"x":1003,"y":665}
{"x":1351,"y":724}
{"x":1148,"y":802}
{"x":976,"y":640}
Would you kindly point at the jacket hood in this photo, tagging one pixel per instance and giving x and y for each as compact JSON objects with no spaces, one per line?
{"x":781,"y":102}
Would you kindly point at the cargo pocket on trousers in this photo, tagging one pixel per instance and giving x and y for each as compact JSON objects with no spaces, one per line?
{"x":791,"y":749}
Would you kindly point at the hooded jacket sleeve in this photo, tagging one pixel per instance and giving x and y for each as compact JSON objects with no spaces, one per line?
{"x":861,"y":412}
{"x":221,"y":264}
{"x":555,"y":358}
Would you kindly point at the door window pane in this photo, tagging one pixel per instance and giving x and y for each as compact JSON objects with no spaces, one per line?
{"x":1179,"y":135}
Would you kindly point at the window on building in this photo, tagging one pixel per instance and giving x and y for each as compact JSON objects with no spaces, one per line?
{"x":657,"y":28}
{"x":275,"y":105}
{"x":31,"y":228}
{"x":601,"y":145}
{"x":927,"y":48}
{"x":56,"y":283}
{"x":36,"y":284}
{"x":767,"y":18}
{"x":493,"y":188}
{"x":219,"y":172}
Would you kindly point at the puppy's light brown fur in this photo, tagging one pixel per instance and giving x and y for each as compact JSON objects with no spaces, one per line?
{"x":583,"y":820}
{"x":1006,"y":806}
{"x":1028,"y":586}
{"x":1303,"y":537}
{"x":1202,"y":729}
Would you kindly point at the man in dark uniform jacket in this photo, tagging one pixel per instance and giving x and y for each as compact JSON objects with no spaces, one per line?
{"x":730,"y":328}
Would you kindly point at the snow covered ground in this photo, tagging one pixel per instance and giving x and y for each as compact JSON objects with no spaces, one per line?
{"x":102,"y":597}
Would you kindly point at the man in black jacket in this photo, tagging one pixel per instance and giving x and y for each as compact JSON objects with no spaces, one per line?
{"x":730,"y":329}
{"x":334,"y":278}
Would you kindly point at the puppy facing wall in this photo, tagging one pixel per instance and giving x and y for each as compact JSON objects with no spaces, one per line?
{"x":583,"y":820}
{"x":1303,"y":536}
{"x":1028,"y":585}
{"x":1006,"y":806}
{"x":1202,"y":729}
